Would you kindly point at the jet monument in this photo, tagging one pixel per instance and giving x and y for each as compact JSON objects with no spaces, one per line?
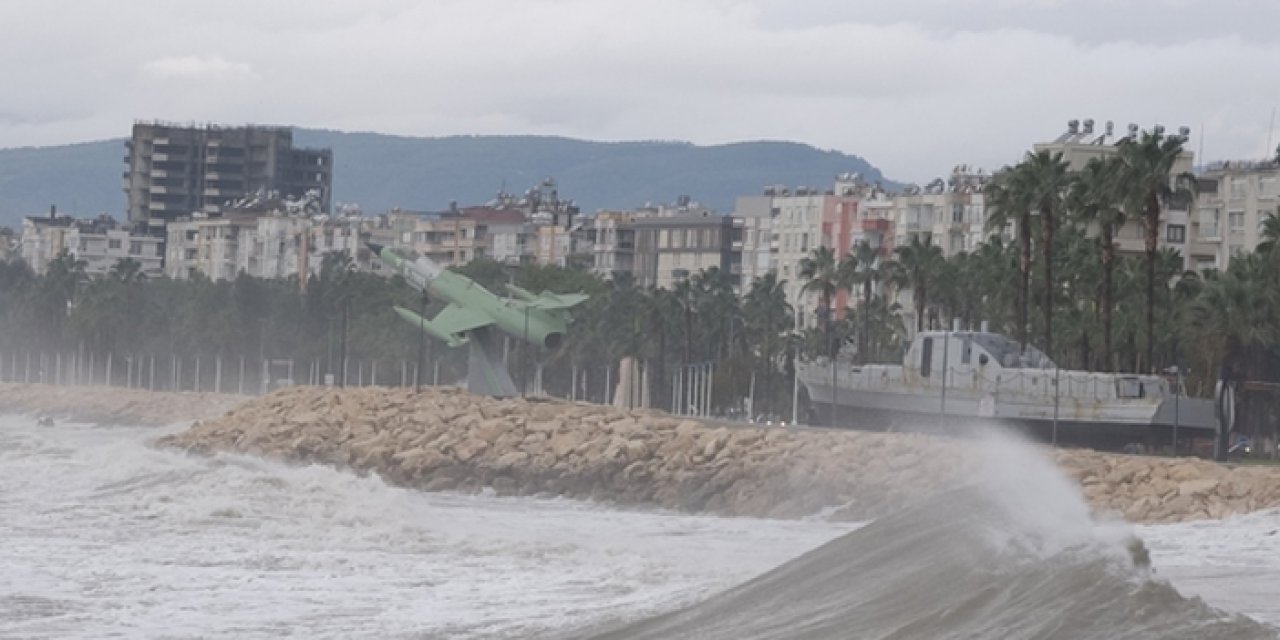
{"x":474,"y":315}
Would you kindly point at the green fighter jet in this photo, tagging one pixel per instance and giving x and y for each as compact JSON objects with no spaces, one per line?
{"x":473,"y":312}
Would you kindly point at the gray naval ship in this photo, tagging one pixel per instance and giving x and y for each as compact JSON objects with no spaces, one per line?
{"x":954,"y":381}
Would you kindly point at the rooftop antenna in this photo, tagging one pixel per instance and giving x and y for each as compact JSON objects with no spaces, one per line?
{"x":1200,"y":152}
{"x":1270,"y":128}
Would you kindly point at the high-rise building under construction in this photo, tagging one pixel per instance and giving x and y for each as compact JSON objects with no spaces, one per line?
{"x":174,"y":171}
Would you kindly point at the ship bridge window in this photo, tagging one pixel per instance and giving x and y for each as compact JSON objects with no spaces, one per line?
{"x":1129,"y":388}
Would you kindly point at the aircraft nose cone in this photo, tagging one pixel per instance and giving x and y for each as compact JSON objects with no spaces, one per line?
{"x":374,"y":247}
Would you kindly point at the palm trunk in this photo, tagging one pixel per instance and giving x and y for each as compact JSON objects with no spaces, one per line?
{"x":921,"y":304}
{"x":1024,"y":268}
{"x":865,"y":347}
{"x":1046,"y":223}
{"x":1153,"y":237}
{"x":1108,"y":269}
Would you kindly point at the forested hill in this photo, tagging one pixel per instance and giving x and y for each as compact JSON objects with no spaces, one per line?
{"x":380,"y":171}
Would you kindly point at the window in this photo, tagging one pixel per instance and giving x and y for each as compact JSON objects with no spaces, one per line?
{"x":804,"y":242}
{"x":957,"y":213}
{"x":1236,"y":221}
{"x":1209,"y":223}
{"x":113,"y":243}
{"x":135,"y":248}
{"x":926,"y":357}
{"x":1268,"y":188}
{"x":1239,"y":188}
{"x":1176,"y":233}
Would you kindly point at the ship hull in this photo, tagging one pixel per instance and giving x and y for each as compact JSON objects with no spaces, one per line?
{"x":1098,"y":425}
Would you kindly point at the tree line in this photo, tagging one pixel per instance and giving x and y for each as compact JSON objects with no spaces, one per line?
{"x":1057,"y":281}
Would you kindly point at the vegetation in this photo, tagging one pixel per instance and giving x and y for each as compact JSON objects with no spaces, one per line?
{"x":1097,"y":308}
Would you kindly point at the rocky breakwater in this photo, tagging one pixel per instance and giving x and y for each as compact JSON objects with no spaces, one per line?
{"x":1147,"y":489}
{"x":113,"y":405}
{"x":447,"y":439}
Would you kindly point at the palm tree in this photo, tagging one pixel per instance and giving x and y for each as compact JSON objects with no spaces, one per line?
{"x":1095,"y":198}
{"x":1150,"y":187}
{"x":1270,"y":233}
{"x":767,"y":316}
{"x":1047,"y":179}
{"x":917,"y":266}
{"x":1009,"y":200}
{"x":862,"y":267}
{"x":821,"y":273}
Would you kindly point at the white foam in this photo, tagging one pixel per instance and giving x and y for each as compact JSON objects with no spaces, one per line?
{"x":102,"y":535}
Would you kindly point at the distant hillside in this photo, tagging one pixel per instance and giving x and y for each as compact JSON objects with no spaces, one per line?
{"x":380,"y":171}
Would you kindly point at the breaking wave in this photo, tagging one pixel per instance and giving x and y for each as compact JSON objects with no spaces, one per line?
{"x":1015,"y":555}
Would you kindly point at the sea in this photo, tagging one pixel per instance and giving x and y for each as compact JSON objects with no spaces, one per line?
{"x":105,"y":536}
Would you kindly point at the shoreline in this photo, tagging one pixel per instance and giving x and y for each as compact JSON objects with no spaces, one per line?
{"x":114,"y":405}
{"x":447,"y":439}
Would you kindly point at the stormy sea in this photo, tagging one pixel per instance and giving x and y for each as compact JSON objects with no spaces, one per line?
{"x":102,"y":535}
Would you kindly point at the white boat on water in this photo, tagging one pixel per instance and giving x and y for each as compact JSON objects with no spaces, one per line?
{"x":953,"y":380}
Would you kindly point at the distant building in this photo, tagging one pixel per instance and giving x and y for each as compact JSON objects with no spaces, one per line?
{"x":1081,"y":143}
{"x":100,"y":242}
{"x":264,"y":246}
{"x":172,"y":171}
{"x":1233,"y":200}
{"x":613,"y":243}
{"x":669,"y":249}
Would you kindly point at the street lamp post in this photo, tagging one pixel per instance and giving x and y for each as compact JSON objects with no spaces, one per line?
{"x":795,"y":371}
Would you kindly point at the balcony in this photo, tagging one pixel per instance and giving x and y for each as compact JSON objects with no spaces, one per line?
{"x":212,"y":192}
{"x":736,"y":245}
{"x":875,"y":224}
{"x":159,"y":173}
{"x":159,"y":189}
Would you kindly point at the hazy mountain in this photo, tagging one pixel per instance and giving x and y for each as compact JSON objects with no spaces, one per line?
{"x":381,"y":171}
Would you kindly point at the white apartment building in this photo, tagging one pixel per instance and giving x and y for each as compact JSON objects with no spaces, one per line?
{"x":268,"y":246}
{"x":100,"y":242}
{"x":952,"y":213}
{"x":1081,"y":143}
{"x":1233,"y":200}
{"x":613,"y":243}
{"x":758,"y":243}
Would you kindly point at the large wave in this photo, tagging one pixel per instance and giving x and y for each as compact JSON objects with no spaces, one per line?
{"x":1015,"y":555}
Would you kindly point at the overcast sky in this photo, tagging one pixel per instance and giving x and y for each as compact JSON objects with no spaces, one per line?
{"x":914,"y":86}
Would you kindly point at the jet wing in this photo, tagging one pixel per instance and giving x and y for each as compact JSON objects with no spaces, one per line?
{"x":551,"y":301}
{"x":455,"y":319}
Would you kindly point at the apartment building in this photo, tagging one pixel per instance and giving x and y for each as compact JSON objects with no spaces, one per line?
{"x":1233,"y":200}
{"x":172,"y":171}
{"x":100,"y":242}
{"x":263,"y":246}
{"x":951,"y":213}
{"x":670,"y":248}
{"x":613,"y":243}
{"x":1081,"y":143}
{"x":759,"y":246}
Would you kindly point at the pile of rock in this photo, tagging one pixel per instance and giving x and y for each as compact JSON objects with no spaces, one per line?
{"x":1144,"y":489}
{"x":448,"y":439}
{"x":113,"y":405}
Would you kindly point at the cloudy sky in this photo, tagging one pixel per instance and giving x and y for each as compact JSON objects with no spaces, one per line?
{"x":915,"y":86}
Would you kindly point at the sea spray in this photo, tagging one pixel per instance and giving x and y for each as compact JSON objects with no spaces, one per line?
{"x":1014,"y":554}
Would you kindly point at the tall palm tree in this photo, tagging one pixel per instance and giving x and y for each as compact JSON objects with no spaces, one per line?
{"x":1008,"y":199}
{"x":767,"y":316}
{"x":1047,"y":179}
{"x":821,"y":273}
{"x":862,"y":267}
{"x":1270,"y":233}
{"x":916,"y":266}
{"x":1095,"y":198}
{"x":1150,"y":187}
